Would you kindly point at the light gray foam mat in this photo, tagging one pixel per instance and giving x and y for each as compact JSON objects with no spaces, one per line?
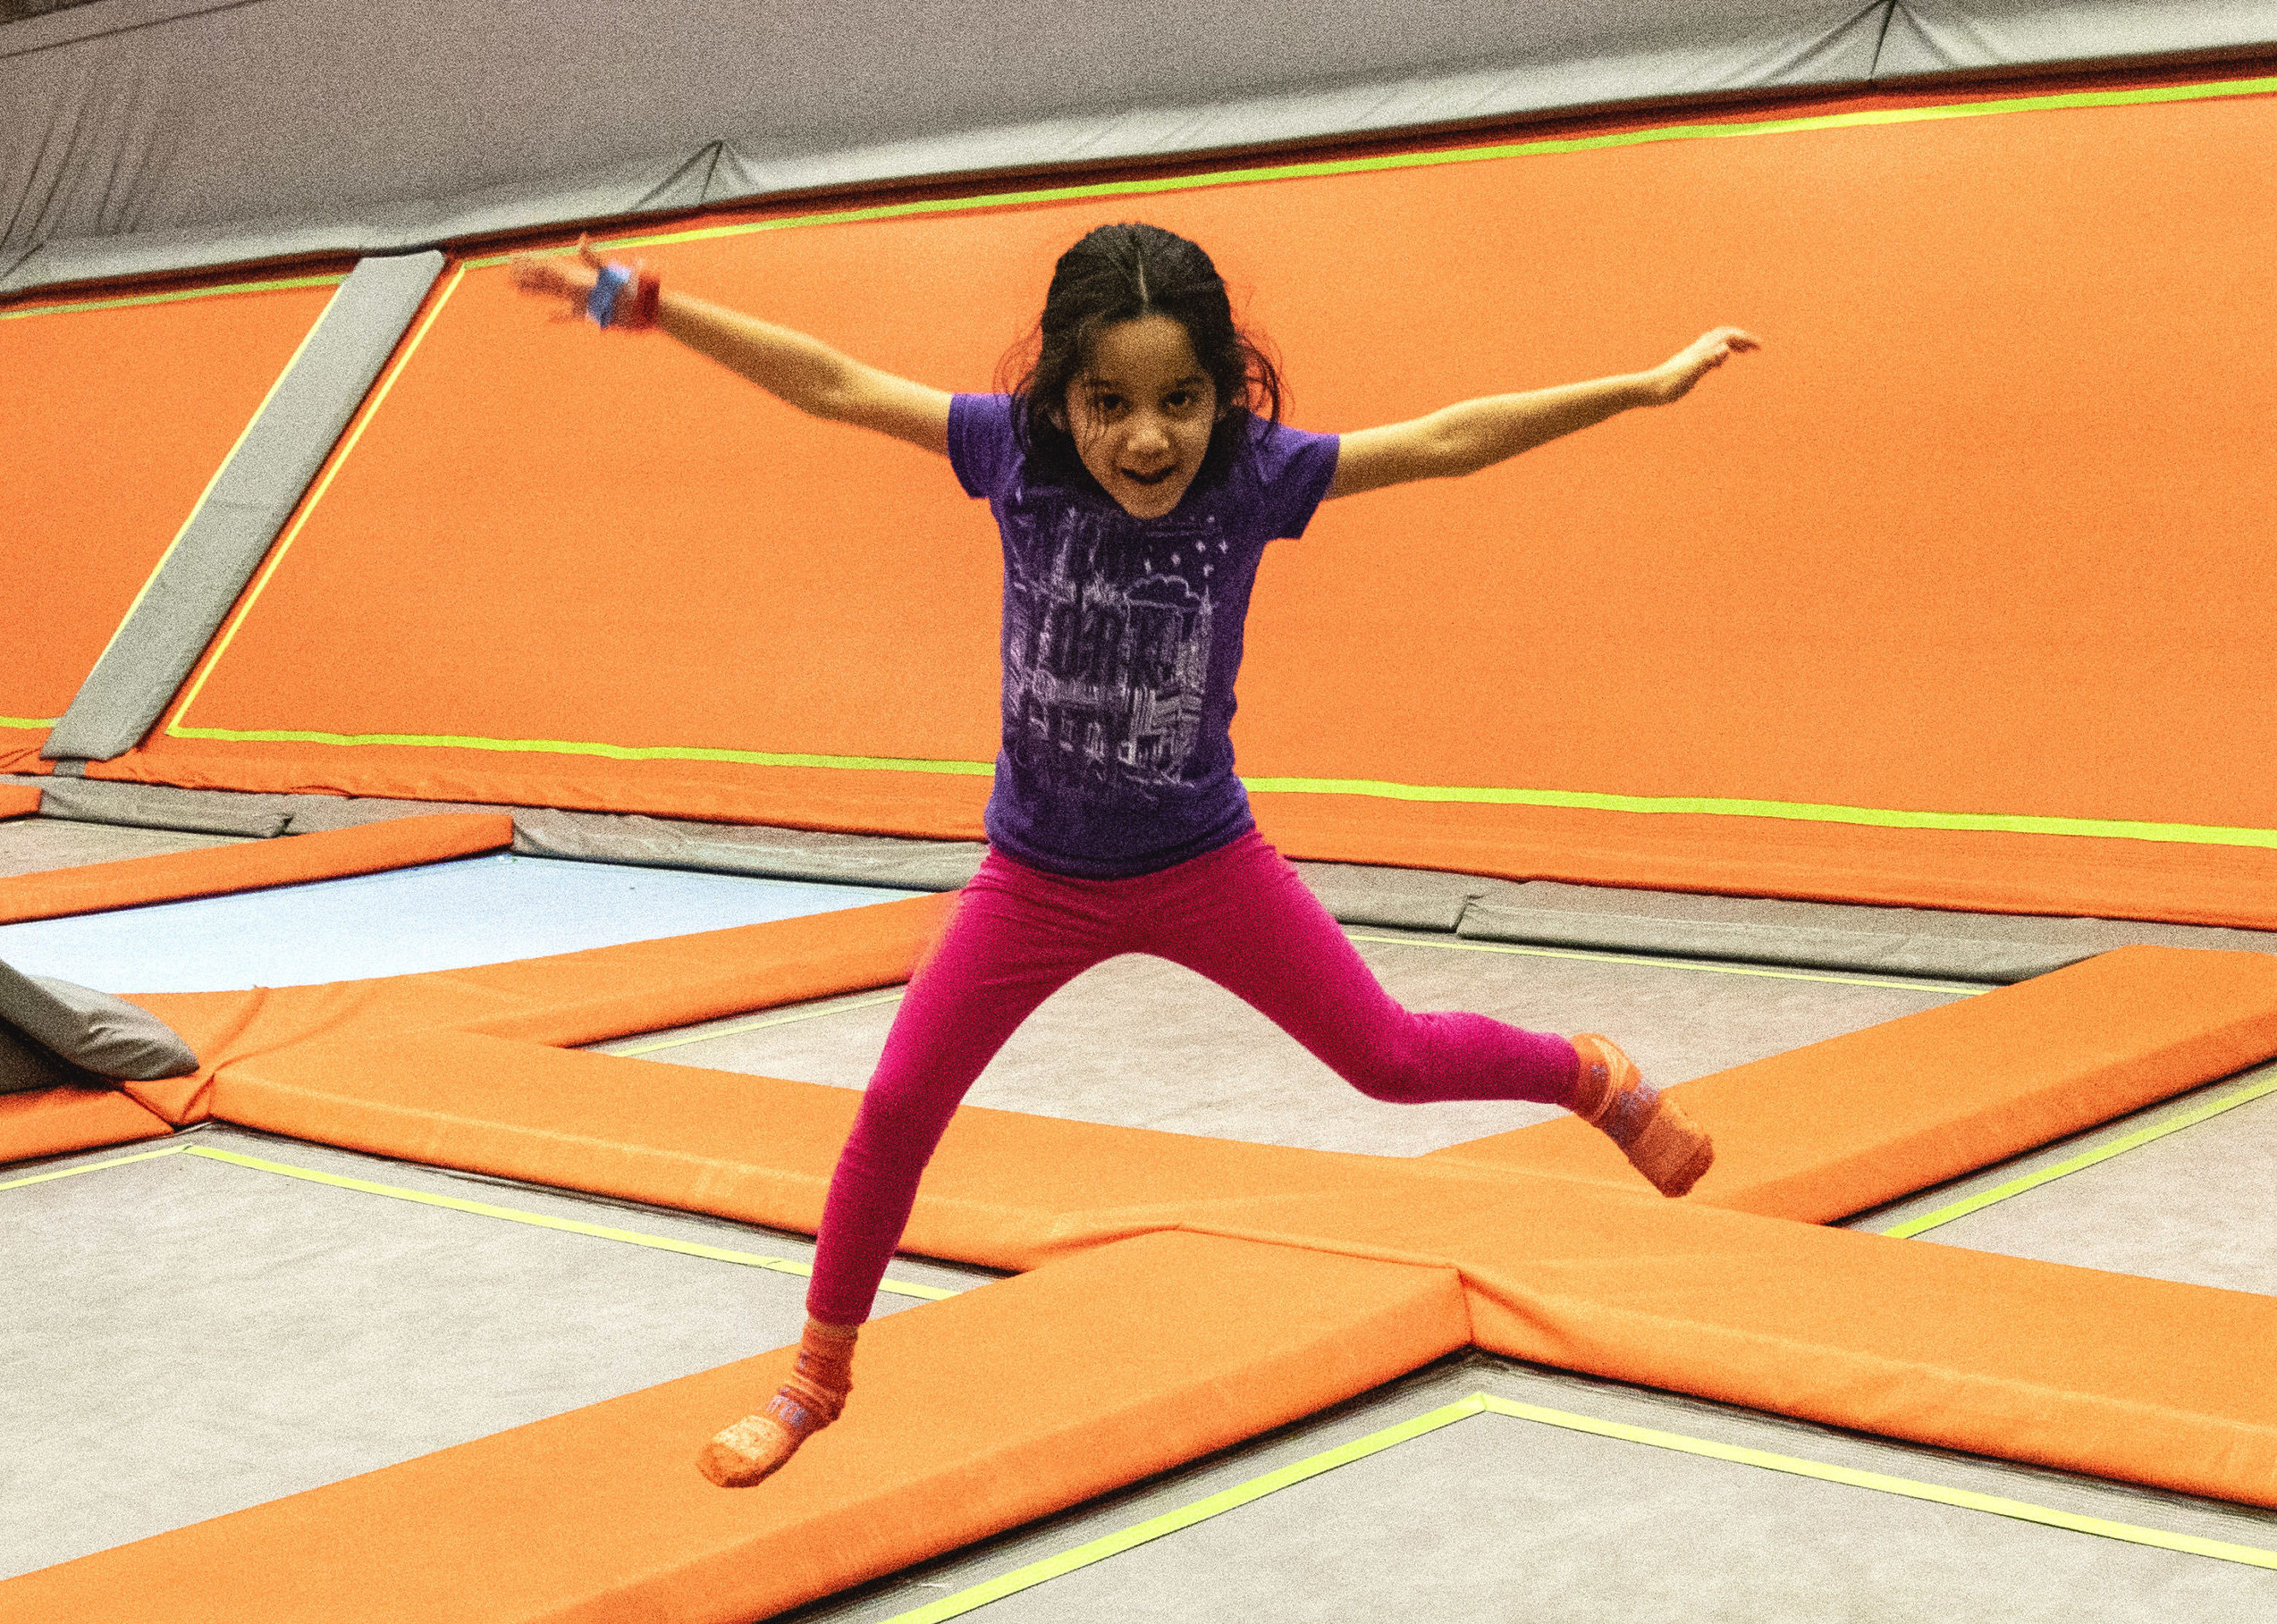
{"x":2196,"y":1205}
{"x":1139,"y":1043}
{"x":241,"y":514}
{"x":185,"y":1337}
{"x":1493,"y":1519}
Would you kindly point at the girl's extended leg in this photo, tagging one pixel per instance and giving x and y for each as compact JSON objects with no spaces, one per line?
{"x":1252,"y":926}
{"x":1242,"y":917}
{"x":1016,"y":937}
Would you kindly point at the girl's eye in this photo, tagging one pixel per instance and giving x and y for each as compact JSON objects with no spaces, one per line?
{"x":1179,"y":402}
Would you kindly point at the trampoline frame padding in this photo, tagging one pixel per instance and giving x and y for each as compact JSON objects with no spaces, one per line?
{"x":249,"y":501}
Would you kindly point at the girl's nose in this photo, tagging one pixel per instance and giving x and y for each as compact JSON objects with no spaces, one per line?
{"x":1147,"y":434}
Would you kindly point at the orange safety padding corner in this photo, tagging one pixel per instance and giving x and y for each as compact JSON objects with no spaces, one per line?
{"x":1846,"y":1125}
{"x":2138,"y":1380}
{"x":970,"y":1417}
{"x":253,"y":865}
{"x":51,"y":1121}
{"x":19,"y":800}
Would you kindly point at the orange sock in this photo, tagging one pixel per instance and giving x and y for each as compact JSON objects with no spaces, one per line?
{"x":755,"y":1447}
{"x":1660,"y":1141}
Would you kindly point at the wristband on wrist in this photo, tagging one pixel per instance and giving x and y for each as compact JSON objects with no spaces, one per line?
{"x":647,"y":289}
{"x":601,"y":304}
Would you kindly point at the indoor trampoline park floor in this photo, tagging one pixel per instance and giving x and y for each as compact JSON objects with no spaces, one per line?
{"x":208,"y":1322}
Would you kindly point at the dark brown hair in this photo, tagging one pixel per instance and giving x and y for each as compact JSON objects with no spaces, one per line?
{"x":1117,"y":273}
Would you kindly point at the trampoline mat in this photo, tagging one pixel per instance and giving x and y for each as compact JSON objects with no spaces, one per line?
{"x":438,"y":916}
{"x":1138,"y":1042}
{"x":2194,"y":1204}
{"x":187,"y":1336}
{"x":1496,"y":1517}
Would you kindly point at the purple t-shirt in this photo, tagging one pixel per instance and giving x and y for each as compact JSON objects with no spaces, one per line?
{"x":1122,"y":637}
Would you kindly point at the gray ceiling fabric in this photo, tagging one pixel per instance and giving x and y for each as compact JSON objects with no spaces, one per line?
{"x":1949,"y":35}
{"x":250,"y":499}
{"x":141,"y":135}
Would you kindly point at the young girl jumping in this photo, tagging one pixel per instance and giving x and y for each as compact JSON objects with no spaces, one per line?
{"x":1135,"y":476}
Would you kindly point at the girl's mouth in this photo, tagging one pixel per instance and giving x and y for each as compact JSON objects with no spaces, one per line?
{"x":1155,"y":478}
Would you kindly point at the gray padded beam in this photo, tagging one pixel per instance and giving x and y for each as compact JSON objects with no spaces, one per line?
{"x":251,"y":501}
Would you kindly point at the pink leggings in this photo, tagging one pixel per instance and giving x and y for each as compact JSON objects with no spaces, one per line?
{"x":1239,"y":915}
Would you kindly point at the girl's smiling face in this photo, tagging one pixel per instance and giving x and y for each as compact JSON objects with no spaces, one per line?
{"x":1142,"y":413}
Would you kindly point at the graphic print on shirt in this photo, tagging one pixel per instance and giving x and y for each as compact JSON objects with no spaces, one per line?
{"x":1107,"y":645}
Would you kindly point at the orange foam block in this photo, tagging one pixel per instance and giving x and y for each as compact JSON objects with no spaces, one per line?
{"x":253,"y":865}
{"x":51,"y":1122}
{"x":19,"y":800}
{"x":1838,"y":1127}
{"x":1002,"y":1191}
{"x":2145,"y":1381}
{"x":969,"y":1417}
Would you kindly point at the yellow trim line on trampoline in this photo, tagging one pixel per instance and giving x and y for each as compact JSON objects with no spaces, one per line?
{"x":1483,"y":1403}
{"x":662,"y":1244}
{"x":1465,"y":155}
{"x":2189,"y":1117}
{"x":29,"y":721}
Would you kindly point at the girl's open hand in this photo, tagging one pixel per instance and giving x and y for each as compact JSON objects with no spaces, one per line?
{"x":556,"y":276}
{"x":1674,"y":378}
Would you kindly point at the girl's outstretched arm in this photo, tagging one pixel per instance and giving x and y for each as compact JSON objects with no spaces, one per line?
{"x":1474,"y":434}
{"x":802,"y":371}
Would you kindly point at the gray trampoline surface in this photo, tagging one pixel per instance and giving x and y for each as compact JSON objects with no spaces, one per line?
{"x":2198,"y":1205}
{"x":1497,"y":1517}
{"x":1139,"y":1043}
{"x":186,"y":1337}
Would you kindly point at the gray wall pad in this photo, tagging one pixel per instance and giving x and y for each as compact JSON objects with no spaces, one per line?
{"x":105,"y":1035}
{"x":780,"y":853}
{"x":1832,"y":936}
{"x":161,"y":806}
{"x":94,"y":102}
{"x":249,"y":501}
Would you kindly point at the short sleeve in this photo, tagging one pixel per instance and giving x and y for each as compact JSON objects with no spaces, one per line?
{"x":982,"y":447}
{"x":1294,"y":469}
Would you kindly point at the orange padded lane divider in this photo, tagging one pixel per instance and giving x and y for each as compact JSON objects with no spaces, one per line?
{"x":1834,"y":1128}
{"x":972,"y":1416}
{"x":118,"y":415}
{"x":19,"y":800}
{"x":2145,"y":1381}
{"x":399,"y":843}
{"x":1833,"y":580}
{"x":51,"y":1122}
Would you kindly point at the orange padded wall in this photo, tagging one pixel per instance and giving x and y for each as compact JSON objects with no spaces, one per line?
{"x":1974,"y":535}
{"x":118,"y":412}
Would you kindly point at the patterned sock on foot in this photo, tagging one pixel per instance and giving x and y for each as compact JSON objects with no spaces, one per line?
{"x":755,"y":1447}
{"x":1660,"y":1141}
